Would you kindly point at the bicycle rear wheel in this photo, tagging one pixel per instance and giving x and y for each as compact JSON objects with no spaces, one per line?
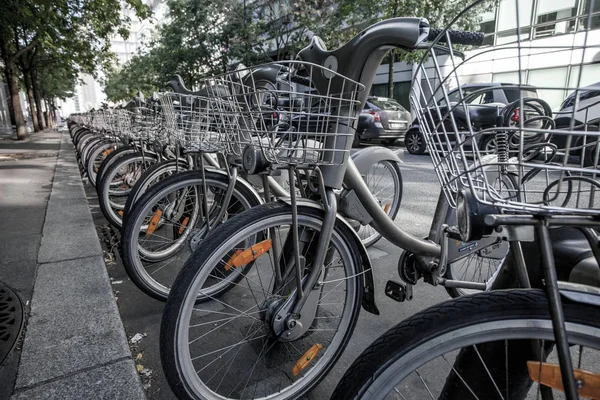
{"x":473,"y":347}
{"x":384,"y":180}
{"x":224,"y":348}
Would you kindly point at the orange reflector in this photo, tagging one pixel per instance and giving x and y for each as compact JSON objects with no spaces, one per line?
{"x":230,"y":262}
{"x":153,"y":224}
{"x":251,"y":254}
{"x":96,"y":169}
{"x":387,"y":207}
{"x":306,"y":359}
{"x":120,"y":212}
{"x":549,"y":375}
{"x":183,"y":225}
{"x":107,"y":152}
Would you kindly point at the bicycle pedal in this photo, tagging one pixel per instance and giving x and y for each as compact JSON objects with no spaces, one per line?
{"x":398,"y":291}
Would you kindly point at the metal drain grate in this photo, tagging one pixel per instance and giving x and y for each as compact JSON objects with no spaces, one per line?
{"x":11,"y":320}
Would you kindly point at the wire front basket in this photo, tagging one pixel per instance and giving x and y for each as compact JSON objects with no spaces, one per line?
{"x":501,"y":139}
{"x":191,"y":121}
{"x":276,"y":109}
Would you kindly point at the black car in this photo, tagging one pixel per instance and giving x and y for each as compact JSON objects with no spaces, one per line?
{"x":382,"y":119}
{"x":585,"y":118}
{"x":493,"y":95}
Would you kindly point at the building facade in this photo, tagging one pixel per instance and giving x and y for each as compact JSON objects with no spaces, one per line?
{"x":544,"y":24}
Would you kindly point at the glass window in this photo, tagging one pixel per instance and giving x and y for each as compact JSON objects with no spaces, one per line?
{"x":385,"y":103}
{"x":379,"y":90}
{"x":590,"y":74}
{"x":507,"y":15}
{"x":551,"y":11}
{"x":583,"y":22}
{"x":546,"y":80}
{"x":402,"y":93}
{"x":512,"y":37}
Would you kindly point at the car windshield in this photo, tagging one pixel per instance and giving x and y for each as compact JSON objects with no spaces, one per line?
{"x":386,"y":104}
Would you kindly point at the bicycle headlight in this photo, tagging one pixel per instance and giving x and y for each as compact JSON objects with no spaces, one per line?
{"x":463,"y":216}
{"x":470,"y":215}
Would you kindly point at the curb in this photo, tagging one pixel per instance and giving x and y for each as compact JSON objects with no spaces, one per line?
{"x":75,"y":346}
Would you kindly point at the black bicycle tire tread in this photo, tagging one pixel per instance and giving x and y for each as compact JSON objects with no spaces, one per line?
{"x":187,"y":274}
{"x":442,"y":318}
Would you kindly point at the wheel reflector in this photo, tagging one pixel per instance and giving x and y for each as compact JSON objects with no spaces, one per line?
{"x":154,"y":222}
{"x":306,"y":358}
{"x":251,"y":254}
{"x":549,"y":375}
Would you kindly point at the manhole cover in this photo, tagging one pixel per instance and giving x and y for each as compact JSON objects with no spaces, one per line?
{"x":11,"y":320}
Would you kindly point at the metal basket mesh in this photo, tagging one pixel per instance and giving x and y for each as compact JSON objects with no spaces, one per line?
{"x":276,"y":109}
{"x":521,"y":154}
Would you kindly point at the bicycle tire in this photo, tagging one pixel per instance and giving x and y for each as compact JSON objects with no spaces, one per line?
{"x":107,"y":180}
{"x":144,"y":183}
{"x":134,"y":222}
{"x":457,"y":323}
{"x":96,"y":157}
{"x":111,"y":158}
{"x":183,"y":296}
{"x":394,"y":167}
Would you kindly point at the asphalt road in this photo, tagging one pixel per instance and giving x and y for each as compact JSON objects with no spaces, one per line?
{"x":142,"y":314}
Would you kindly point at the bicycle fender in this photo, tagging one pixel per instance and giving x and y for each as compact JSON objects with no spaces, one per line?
{"x":365,"y":158}
{"x":368,"y":301}
{"x":240,"y":180}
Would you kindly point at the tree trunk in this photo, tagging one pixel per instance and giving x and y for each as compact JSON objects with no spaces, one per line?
{"x":391,"y":75}
{"x":38,"y":101}
{"x":47,"y":113}
{"x":13,"y":84}
{"x":32,"y":108}
{"x":11,"y":111}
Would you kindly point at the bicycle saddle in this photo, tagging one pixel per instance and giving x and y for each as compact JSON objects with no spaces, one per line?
{"x":176,"y":83}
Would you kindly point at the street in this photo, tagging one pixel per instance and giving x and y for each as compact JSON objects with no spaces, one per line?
{"x":142,"y":314}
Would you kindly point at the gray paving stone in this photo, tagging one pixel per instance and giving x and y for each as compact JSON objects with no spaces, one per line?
{"x":69,"y":211}
{"x":74,"y":322}
{"x":114,"y":381}
{"x":65,"y":241}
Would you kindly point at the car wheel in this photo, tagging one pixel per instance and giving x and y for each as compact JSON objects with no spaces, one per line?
{"x":414,"y":142}
{"x":488,"y":145}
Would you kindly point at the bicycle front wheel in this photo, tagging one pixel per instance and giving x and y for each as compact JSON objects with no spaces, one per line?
{"x":224,"y":347}
{"x":484,"y":346}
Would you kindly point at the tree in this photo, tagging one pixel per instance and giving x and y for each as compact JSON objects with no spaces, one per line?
{"x":69,"y":31}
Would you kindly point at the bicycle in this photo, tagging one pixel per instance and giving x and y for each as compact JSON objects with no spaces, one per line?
{"x":539,"y":337}
{"x":293,"y":254}
{"x":152,"y":257}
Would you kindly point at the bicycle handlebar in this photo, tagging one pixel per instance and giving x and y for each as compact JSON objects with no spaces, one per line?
{"x":456,"y":37}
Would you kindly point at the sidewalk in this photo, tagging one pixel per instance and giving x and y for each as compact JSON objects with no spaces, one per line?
{"x":74,"y":345}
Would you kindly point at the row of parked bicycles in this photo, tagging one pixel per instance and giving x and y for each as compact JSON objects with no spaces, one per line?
{"x":242,"y":206}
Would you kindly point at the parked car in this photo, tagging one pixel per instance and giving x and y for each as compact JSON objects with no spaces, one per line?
{"x":585,"y":118}
{"x":382,"y":119}
{"x":491,"y":95}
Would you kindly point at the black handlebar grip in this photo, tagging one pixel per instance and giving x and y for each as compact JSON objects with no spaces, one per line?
{"x":457,"y":37}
